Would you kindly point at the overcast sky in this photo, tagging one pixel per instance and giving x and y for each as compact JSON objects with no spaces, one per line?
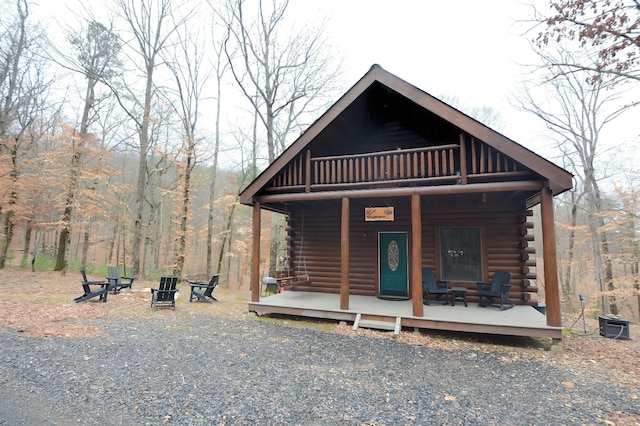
{"x":476,"y":51}
{"x":468,"y":49}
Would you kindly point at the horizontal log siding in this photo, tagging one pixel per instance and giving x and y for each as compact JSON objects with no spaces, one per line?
{"x":506,"y":247}
{"x":504,"y":243}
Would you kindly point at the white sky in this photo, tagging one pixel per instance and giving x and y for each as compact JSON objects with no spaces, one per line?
{"x":473,"y":50}
{"x":469,"y":49}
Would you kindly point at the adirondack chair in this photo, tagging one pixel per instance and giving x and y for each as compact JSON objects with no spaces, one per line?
{"x":165,"y":294}
{"x":115,"y":280}
{"x":430,"y":287}
{"x":90,"y":293}
{"x":498,"y":288}
{"x":201,"y":290}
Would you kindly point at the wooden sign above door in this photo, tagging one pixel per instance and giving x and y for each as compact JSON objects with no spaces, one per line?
{"x":379,"y":214}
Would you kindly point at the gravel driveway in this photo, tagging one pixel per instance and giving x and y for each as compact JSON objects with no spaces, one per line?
{"x":210,"y":370}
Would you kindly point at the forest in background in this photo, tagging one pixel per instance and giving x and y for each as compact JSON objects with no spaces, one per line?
{"x":127,"y":142}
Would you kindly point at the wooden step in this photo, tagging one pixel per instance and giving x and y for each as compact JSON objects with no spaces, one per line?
{"x":378,"y":325}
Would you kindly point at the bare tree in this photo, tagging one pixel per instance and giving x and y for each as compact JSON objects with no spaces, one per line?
{"x":576,"y":113}
{"x":190,"y":77}
{"x":283,"y":72}
{"x":22,"y":91}
{"x":96,"y":60}
{"x":151,"y":24}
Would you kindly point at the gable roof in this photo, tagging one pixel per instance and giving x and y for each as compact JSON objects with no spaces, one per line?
{"x":559,"y":180}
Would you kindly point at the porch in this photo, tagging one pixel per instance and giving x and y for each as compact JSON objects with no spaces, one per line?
{"x":518,"y":321}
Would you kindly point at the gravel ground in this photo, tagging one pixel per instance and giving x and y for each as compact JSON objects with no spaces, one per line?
{"x":211,"y":370}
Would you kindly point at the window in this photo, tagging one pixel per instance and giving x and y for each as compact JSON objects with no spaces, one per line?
{"x":460,"y":254}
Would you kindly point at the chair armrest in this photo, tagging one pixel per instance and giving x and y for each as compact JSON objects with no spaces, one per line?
{"x":128,"y":278}
{"x":95,"y":282}
{"x":198,"y":284}
{"x":444,"y":282}
{"x":481,"y":284}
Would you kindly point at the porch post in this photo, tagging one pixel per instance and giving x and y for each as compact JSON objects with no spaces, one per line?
{"x":344,"y":256}
{"x":255,"y":254}
{"x":552,"y":292}
{"x":416,"y":256}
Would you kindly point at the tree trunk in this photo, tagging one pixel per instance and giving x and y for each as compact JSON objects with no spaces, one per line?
{"x":567,"y":283}
{"x":27,"y":243}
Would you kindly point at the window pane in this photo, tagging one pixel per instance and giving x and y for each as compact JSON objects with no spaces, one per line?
{"x":460,"y":254}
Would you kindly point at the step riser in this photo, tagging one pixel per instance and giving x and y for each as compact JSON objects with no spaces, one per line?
{"x":377,"y":325}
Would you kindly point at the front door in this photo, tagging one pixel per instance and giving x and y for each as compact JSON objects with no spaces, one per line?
{"x":392,"y":255}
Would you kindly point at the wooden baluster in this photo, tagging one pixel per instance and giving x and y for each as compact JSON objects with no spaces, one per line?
{"x":307,"y":171}
{"x":474,"y":159}
{"x":375,"y":169}
{"x":388,"y":167}
{"x":316,"y":174}
{"x":490,"y":158}
{"x":436,"y":161}
{"x":452,"y":162}
{"x":482,"y":155}
{"x":422,"y":165}
{"x":394,"y":167}
{"x":429,"y":163}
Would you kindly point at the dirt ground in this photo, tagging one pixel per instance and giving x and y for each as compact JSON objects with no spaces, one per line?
{"x":40,"y":305}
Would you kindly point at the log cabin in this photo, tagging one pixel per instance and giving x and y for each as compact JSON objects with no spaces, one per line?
{"x":390,"y":181}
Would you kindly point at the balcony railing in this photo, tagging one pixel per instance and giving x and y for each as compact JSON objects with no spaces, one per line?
{"x":449,"y":163}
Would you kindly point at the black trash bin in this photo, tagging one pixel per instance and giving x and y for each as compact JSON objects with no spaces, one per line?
{"x":613,"y":327}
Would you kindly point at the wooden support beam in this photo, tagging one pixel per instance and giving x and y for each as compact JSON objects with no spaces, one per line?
{"x":403,"y":191}
{"x":344,"y":256}
{"x":463,"y":160}
{"x":416,"y":257}
{"x":255,"y":254}
{"x":552,"y":291}
{"x":307,"y":167}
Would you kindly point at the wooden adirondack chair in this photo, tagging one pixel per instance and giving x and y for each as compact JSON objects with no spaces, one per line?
{"x":90,"y":293}
{"x":202,"y":290}
{"x":165,"y":294}
{"x":498,"y":288}
{"x":115,"y":280}
{"x":430,"y":287}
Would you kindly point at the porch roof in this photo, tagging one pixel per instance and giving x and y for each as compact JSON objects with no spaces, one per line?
{"x":334,"y":120}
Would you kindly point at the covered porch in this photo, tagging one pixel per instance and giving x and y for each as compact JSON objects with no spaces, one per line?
{"x":522,"y":320}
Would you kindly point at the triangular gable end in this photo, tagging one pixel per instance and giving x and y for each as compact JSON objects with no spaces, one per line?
{"x":501,"y":152}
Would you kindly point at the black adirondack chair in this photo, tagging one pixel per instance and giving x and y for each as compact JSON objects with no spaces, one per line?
{"x":116,"y":280}
{"x":165,"y":294}
{"x":498,"y":288}
{"x":201,"y":290}
{"x":100,"y":289}
{"x":430,"y":287}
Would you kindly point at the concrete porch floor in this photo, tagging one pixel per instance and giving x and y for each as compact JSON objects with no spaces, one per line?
{"x":518,"y":321}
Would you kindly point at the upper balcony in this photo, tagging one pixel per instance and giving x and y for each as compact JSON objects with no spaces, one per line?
{"x":458,"y":163}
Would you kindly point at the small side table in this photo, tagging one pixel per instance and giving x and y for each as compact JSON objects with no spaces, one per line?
{"x":458,"y":293}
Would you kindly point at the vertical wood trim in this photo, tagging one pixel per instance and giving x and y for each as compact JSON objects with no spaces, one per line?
{"x":549,"y":255}
{"x":344,"y":256}
{"x":474,"y":159}
{"x":416,"y":256}
{"x":307,"y":181}
{"x":255,"y":254}
{"x":463,"y":160}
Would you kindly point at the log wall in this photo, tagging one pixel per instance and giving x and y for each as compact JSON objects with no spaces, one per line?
{"x":507,"y":239}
